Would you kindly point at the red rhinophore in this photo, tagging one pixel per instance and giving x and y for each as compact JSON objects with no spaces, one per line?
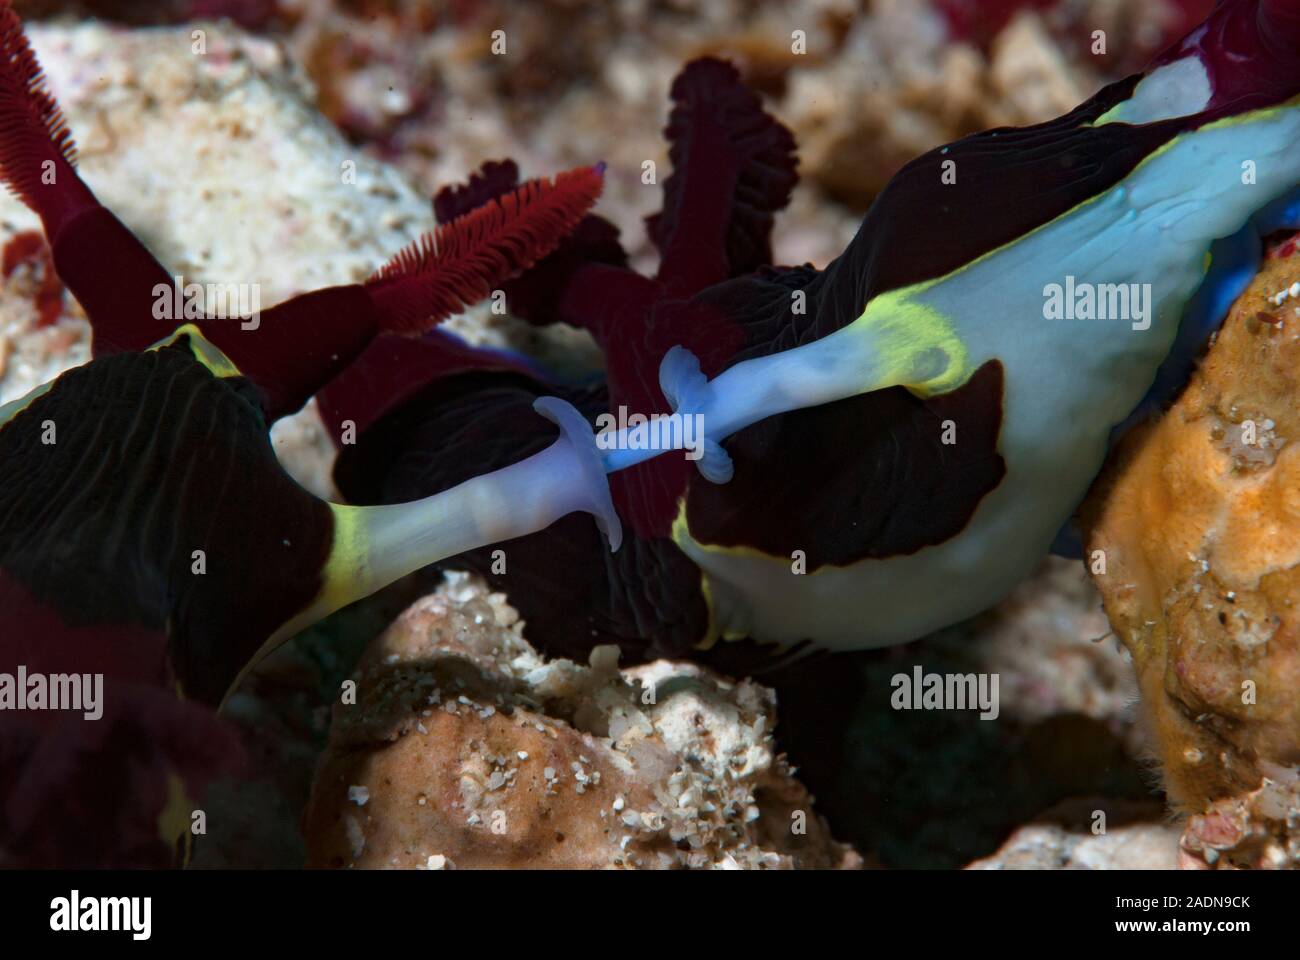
{"x":304,"y":343}
{"x":107,"y":269}
{"x":34,"y":138}
{"x":459,"y":262}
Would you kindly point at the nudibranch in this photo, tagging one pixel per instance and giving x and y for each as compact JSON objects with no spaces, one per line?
{"x":148,"y":535}
{"x":891,"y":443}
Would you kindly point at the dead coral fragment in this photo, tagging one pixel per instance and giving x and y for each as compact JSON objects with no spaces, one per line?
{"x":472,"y":750}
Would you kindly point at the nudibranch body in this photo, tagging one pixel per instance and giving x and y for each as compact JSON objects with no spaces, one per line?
{"x":903,"y":434}
{"x":149,"y":536}
{"x":1066,"y":380}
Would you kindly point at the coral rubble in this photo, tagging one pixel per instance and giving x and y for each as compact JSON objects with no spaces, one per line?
{"x":464,"y":748}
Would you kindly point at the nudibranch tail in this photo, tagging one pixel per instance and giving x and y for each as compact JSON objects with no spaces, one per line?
{"x":376,"y":545}
{"x":572,"y":476}
{"x":686,"y":388}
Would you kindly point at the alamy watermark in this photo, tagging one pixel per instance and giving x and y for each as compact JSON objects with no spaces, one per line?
{"x":1098,"y":301}
{"x":946,"y":691}
{"x":217,"y":301}
{"x":53,"y":691}
{"x":660,"y":431}
{"x":75,"y":913}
